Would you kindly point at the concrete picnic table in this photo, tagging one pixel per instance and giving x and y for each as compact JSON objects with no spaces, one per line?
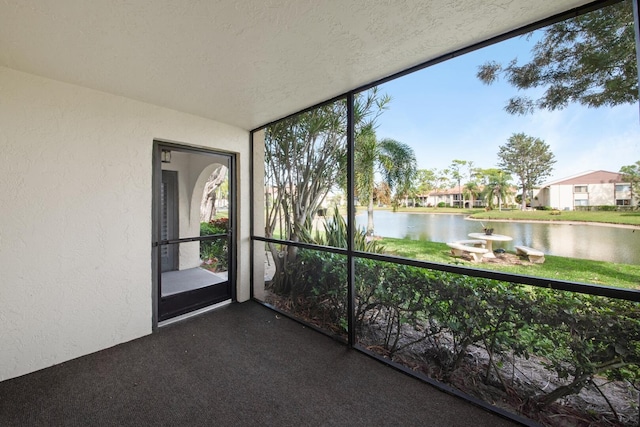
{"x":490,"y":238}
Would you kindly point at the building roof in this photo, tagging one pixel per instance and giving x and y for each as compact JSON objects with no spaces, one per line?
{"x":588,"y":177}
{"x":248,"y":62}
{"x":445,"y":191}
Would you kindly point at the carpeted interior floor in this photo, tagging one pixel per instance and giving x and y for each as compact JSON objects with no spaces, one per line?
{"x":240,"y":365}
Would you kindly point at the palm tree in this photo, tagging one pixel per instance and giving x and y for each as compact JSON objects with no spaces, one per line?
{"x":397,"y":164}
{"x":365,"y":159}
{"x":497,"y":187}
{"x":394,"y":160}
{"x":472,"y":190}
{"x":456,"y":174}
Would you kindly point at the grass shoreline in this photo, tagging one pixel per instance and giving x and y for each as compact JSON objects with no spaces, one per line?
{"x":570,"y":222}
{"x":627,"y":219}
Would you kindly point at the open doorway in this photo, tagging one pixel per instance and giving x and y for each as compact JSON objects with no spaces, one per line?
{"x":193,"y":256}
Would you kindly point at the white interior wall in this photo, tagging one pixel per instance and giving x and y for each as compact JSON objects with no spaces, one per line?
{"x":75,"y":216}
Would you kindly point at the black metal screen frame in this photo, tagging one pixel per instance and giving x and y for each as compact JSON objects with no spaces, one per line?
{"x":193,"y":299}
{"x":351,"y":254}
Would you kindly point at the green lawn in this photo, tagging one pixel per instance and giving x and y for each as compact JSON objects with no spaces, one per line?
{"x":572,"y":269}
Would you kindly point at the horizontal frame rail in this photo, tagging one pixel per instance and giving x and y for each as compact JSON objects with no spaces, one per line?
{"x":541,"y":282}
{"x":192,"y":239}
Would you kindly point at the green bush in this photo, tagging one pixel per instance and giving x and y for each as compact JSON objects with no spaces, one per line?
{"x":575,"y":336}
{"x":592,"y":336}
{"x":215,"y":253}
{"x":315,"y":282}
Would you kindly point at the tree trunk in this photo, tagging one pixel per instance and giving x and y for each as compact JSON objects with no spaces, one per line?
{"x":562,"y":391}
{"x":524,"y":198}
{"x":208,"y":203}
{"x":370,"y":215}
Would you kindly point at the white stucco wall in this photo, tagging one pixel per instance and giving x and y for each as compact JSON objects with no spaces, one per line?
{"x":602,"y":194}
{"x":75,"y":216}
{"x":561,"y":197}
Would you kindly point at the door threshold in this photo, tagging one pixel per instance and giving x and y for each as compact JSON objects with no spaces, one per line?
{"x":193,"y":313}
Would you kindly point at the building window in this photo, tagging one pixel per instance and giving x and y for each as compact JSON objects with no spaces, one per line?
{"x":581,"y":202}
{"x":623,"y":188}
{"x":623,"y":202}
{"x":580,"y":189}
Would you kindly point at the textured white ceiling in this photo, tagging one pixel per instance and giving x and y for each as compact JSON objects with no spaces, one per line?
{"x":245,"y":62}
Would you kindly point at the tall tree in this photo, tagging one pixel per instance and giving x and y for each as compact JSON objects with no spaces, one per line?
{"x":472,"y":170}
{"x":424,"y":182}
{"x":395,"y":161}
{"x":631,"y":173}
{"x":472,"y":190}
{"x":527,"y":158}
{"x":303,"y":155}
{"x":456,"y":171}
{"x":589,"y":59}
{"x":368,"y":107}
{"x":442,"y":179}
{"x":382,"y":194}
{"x":304,"y":158}
{"x":365,"y":161}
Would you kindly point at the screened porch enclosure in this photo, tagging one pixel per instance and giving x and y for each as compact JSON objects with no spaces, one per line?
{"x":538,"y":345}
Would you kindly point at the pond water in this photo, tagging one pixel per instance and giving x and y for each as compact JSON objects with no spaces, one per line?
{"x":595,"y":242}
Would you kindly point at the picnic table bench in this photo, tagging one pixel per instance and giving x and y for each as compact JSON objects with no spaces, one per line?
{"x":535,"y":256}
{"x":475,"y":248}
{"x":490,"y":238}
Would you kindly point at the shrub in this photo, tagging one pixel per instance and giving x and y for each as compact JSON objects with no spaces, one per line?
{"x":577,"y":337}
{"x":605,"y":208}
{"x":214,"y":252}
{"x":591,"y":336}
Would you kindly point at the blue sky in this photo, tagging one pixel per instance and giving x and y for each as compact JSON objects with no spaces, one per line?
{"x":444,"y":112}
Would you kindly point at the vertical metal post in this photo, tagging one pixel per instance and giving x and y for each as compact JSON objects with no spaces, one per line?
{"x":636,"y":30}
{"x":252,"y":242}
{"x":156,"y":182}
{"x":232,"y":226}
{"x":351,"y":292}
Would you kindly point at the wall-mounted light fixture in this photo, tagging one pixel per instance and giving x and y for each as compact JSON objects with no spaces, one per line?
{"x":165,"y":156}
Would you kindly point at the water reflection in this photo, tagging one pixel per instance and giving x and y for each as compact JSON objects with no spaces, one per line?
{"x":601,"y":243}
